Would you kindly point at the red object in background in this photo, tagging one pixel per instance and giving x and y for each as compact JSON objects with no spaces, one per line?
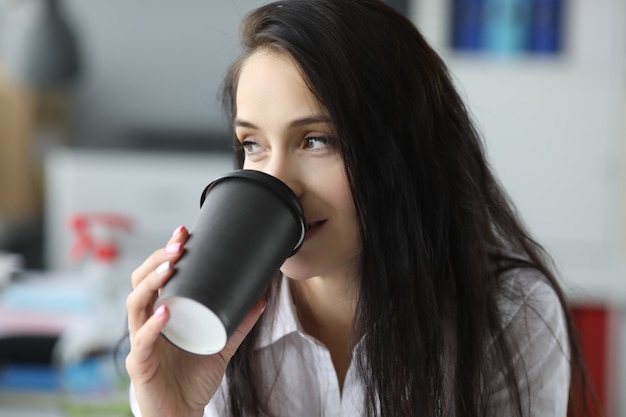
{"x":592,"y":323}
{"x":103,"y":248}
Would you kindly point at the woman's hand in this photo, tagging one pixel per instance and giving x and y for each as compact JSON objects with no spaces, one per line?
{"x":169,"y":381}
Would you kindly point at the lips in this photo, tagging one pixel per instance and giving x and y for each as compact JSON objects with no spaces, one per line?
{"x":313,"y":223}
{"x":312,"y":226}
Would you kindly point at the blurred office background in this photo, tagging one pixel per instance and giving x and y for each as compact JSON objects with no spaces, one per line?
{"x":130,"y":125}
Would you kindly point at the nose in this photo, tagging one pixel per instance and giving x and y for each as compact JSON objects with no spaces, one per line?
{"x":286,"y":169}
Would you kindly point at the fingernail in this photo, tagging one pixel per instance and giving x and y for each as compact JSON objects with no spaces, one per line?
{"x":264,"y":306}
{"x":160,"y":312}
{"x":163,"y":268}
{"x":173,"y":247}
{"x":178,"y":230}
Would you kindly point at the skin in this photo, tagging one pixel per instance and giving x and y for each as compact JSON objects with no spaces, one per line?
{"x":285,"y":132}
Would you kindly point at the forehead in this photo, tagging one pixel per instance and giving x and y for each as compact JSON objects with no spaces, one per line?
{"x":270,"y":77}
{"x":269,"y":58}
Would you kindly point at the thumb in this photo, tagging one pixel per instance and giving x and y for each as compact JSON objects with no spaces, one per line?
{"x":244,"y":328}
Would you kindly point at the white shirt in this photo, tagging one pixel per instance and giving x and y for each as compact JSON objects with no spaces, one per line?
{"x":307,"y":384}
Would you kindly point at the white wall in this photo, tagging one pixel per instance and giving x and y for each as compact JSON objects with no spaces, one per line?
{"x":153,"y":64}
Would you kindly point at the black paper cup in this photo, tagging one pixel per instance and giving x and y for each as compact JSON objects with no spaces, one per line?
{"x":249,"y":224}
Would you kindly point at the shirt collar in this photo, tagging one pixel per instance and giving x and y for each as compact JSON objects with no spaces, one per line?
{"x":283,"y":318}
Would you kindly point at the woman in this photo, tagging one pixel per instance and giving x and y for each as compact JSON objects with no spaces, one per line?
{"x":417,"y":291}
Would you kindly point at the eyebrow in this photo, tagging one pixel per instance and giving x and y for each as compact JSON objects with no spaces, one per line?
{"x":294,"y":123}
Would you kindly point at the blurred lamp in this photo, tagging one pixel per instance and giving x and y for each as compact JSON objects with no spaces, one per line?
{"x":38,"y":45}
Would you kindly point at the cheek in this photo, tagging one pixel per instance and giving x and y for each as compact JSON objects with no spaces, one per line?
{"x":341,"y":196}
{"x":332,"y":181}
{"x":344,"y":196}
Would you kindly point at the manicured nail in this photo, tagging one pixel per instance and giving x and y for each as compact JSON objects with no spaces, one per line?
{"x":160,"y":312}
{"x":163,"y":268}
{"x":173,"y":247}
{"x":178,"y":230}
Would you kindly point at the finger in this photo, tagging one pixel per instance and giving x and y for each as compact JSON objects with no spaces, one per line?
{"x":244,"y":328}
{"x":143,"y":342}
{"x":151,"y":277}
{"x":172,"y":251}
{"x":140,"y":301}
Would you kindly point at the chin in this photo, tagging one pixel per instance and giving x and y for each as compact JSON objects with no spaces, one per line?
{"x":296,"y":275}
{"x":298,"y":270}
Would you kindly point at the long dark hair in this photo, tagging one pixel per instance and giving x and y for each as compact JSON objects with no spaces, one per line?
{"x":421,"y":184}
